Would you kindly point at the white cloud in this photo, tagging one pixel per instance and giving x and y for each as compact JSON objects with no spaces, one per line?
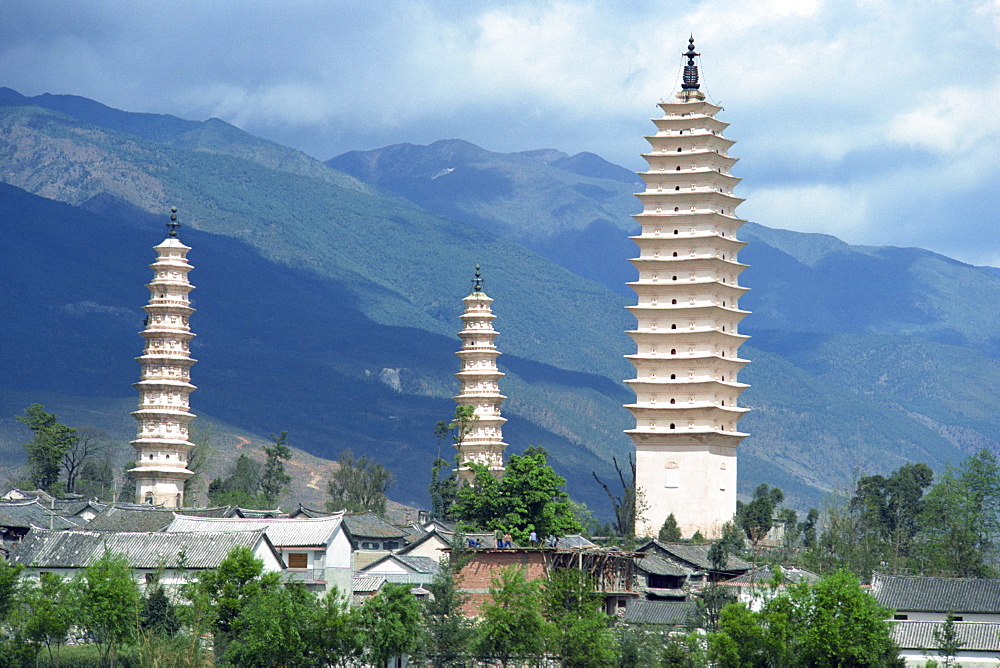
{"x":841,"y":211}
{"x":879,"y":115}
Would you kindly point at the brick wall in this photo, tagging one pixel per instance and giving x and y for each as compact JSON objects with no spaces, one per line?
{"x":477,"y":576}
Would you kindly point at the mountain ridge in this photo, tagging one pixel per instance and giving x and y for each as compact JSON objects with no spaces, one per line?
{"x":367,"y":289}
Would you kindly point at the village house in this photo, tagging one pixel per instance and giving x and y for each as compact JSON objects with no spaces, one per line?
{"x":930,"y":599}
{"x":669,"y":571}
{"x":315,"y":551}
{"x":171,"y":557}
{"x":403,"y":569}
{"x":612,"y":570}
{"x":759,"y":585}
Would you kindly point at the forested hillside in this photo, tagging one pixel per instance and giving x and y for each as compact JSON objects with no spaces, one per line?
{"x":327,"y":305}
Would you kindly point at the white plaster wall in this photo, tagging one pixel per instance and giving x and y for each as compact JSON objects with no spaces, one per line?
{"x":701,"y":492}
{"x":940,"y":616}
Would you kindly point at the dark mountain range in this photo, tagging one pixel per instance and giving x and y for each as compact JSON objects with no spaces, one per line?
{"x":567,"y":209}
{"x":327,"y":305}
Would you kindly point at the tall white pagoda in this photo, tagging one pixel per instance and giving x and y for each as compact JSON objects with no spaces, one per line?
{"x":162,"y":444}
{"x":687,"y":338}
{"x":478,"y":380}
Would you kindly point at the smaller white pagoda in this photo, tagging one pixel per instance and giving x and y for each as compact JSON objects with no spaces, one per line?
{"x":479,"y":385}
{"x":162,"y":444}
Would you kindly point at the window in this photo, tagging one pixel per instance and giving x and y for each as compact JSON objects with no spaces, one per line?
{"x":390,"y":545}
{"x":677,"y":187}
{"x":675,"y":253}
{"x":673,"y":326}
{"x":901,"y":617}
{"x":673,"y":376}
{"x":672,"y":477}
{"x":678,"y":169}
{"x":673,"y":351}
{"x":149,"y":498}
{"x":150,"y":578}
{"x":673,"y":301}
{"x":298,"y":560}
{"x":673,"y":426}
{"x":673,"y":401}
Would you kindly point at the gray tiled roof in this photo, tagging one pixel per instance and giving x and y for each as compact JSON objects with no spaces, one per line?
{"x":370,"y":525}
{"x":924,"y":594}
{"x":131,"y":518}
{"x":765,"y":575}
{"x":254,"y":513}
{"x":366,"y":583}
{"x":283,"y":531}
{"x":145,"y":549}
{"x":302,"y":511}
{"x":974,"y":636}
{"x":575,"y":540}
{"x":657,"y":565}
{"x":422,"y":565}
{"x":695,"y":554}
{"x":26,"y":514}
{"x":652,"y":612}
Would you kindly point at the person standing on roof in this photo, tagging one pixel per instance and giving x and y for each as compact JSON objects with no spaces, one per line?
{"x":498,"y":536}
{"x":533,"y":538}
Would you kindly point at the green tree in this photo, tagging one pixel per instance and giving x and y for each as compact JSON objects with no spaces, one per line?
{"x":108,"y":603}
{"x":240,"y":488}
{"x":199,"y":457}
{"x":460,"y":426}
{"x":757,"y":517}
{"x":97,"y":478}
{"x":223,"y":592}
{"x":46,"y":613}
{"x":10,"y":578}
{"x":669,"y":532}
{"x":358,"y":485}
{"x":272,"y":629}
{"x":628,"y":506}
{"x":580,"y":633}
{"x":52,"y":440}
{"x":960,"y":522}
{"x":333,"y":636}
{"x":89,"y":444}
{"x":807,"y":529}
{"x":946,"y":641}
{"x":889,"y":508}
{"x":389,"y":624}
{"x":443,"y":491}
{"x":511,"y":625}
{"x":843,"y":543}
{"x":447,"y":631}
{"x":158,"y":615}
{"x":530,"y":497}
{"x":275,"y":479}
{"x":830,"y":623}
{"x":731,"y":543}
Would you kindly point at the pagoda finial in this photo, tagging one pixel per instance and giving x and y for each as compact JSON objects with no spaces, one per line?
{"x":477,"y":282}
{"x":173,"y":224}
{"x":690,"y":69}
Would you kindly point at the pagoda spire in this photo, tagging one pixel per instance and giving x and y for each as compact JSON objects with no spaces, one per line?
{"x":687,"y":320}
{"x":690,"y":69}
{"x":690,"y":81}
{"x":161,"y":443}
{"x":478,"y":380}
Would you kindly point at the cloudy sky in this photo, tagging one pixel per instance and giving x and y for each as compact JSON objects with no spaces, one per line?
{"x":874,"y":120}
